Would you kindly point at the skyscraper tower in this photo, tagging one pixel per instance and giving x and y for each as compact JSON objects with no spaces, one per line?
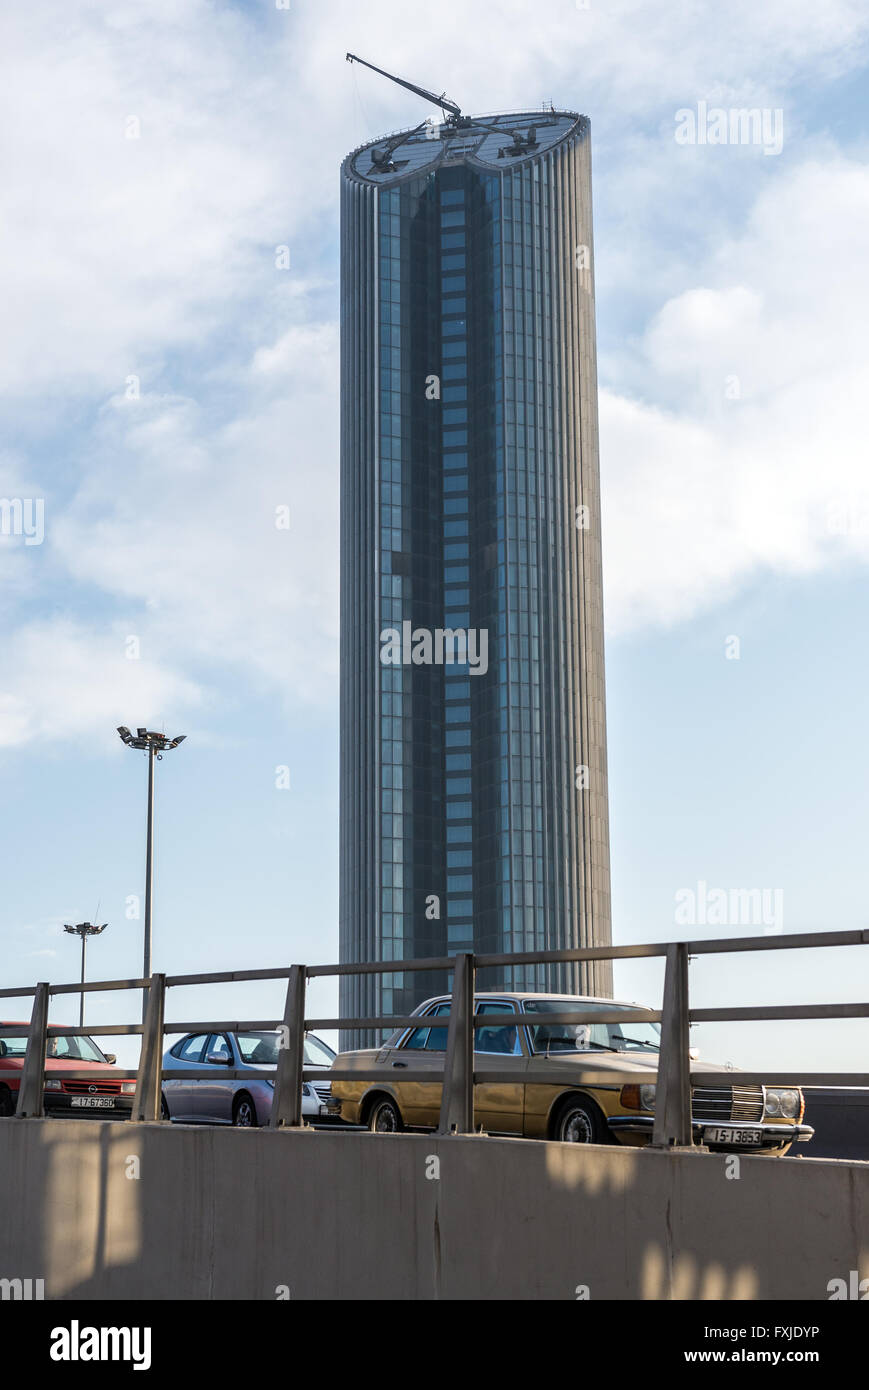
{"x":474,"y":809}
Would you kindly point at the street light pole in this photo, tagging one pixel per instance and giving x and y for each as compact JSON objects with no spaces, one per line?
{"x":154,"y":745}
{"x":149,"y":863}
{"x":84,"y":930}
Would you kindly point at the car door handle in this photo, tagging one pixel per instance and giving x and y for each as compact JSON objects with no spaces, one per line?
{"x":399,"y":1064}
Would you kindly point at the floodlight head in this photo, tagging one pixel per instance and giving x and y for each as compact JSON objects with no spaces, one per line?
{"x":148,"y":740}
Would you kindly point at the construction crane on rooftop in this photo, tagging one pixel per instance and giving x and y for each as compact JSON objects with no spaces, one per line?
{"x":452,"y":112}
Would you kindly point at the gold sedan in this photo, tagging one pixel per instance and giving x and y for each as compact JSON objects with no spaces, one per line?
{"x":561,"y":1090}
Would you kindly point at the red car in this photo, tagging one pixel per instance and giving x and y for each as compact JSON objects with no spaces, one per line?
{"x":106,"y":1096}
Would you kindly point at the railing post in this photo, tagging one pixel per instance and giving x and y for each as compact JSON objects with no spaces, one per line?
{"x":673,"y":1098}
{"x":457,"y":1096}
{"x":31,"y":1092}
{"x":149,"y":1087}
{"x":287,"y":1099}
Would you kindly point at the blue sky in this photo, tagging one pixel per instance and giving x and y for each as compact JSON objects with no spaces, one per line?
{"x":165,"y":389}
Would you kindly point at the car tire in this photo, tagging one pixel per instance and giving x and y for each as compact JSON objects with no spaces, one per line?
{"x":579,"y":1121}
{"x":384,"y":1117}
{"x":7,"y":1102}
{"x":244,"y":1112}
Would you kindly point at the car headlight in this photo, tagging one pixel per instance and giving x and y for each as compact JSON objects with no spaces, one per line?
{"x":635,"y":1097}
{"x":780,"y":1102}
{"x":306,"y":1090}
{"x":52,"y":1085}
{"x":128,"y":1088}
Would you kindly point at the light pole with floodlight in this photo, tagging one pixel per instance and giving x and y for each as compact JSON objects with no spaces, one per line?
{"x":84,"y":930}
{"x":155,"y":745}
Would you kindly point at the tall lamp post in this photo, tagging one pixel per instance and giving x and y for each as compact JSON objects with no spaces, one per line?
{"x":84,"y":930}
{"x":155,"y":745}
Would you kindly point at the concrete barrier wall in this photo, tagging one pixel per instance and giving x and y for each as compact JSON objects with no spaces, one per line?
{"x":105,"y":1210}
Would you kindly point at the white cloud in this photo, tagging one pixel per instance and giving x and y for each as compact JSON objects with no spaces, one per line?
{"x":61,"y":681}
{"x":191,"y":528}
{"x":711,"y":491}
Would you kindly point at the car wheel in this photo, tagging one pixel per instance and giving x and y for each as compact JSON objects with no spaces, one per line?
{"x":7,"y":1101}
{"x":580,"y":1122}
{"x":244,"y":1112}
{"x":384,"y":1117}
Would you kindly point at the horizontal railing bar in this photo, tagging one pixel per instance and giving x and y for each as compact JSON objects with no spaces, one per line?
{"x":99,"y":986}
{"x":796,"y":941}
{"x":493,"y":1020}
{"x":513,"y":1075}
{"x":550,"y":1075}
{"x":216,"y":1073}
{"x":227,"y":977}
{"x":571,"y":1076}
{"x":112,"y":1073}
{"x":255,"y":1025}
{"x":762,"y":1011}
{"x":60,"y":1030}
{"x":568,"y":955}
{"x":732,"y":945}
{"x":382,"y":967}
{"x":387,"y":1024}
{"x":99,"y":1030}
{"x":582,"y":1076}
{"x":408,"y":1074}
{"x":630,"y":1015}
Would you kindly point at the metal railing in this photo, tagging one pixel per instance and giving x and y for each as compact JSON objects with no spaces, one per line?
{"x":672,"y":1122}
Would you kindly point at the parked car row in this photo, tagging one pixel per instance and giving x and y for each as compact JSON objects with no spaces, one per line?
{"x":555,"y":1082}
{"x":244,"y":1100}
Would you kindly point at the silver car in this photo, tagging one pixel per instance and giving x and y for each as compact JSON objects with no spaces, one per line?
{"x":235,"y":1101}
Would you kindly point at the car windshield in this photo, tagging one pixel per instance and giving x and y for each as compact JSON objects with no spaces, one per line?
{"x":76,"y":1049}
{"x":262,"y":1049}
{"x":578,"y":1037}
{"x":317,"y":1053}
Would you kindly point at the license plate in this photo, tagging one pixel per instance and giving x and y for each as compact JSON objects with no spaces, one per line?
{"x":93,"y":1102}
{"x":731,"y":1136}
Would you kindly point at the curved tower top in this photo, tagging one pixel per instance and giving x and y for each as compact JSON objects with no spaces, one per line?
{"x":489,"y":142}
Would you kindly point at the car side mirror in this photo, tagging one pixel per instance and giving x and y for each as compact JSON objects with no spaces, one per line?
{"x":111,"y":1058}
{"x":218,"y":1058}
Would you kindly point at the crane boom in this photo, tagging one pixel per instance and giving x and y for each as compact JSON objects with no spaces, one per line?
{"x":450,"y":109}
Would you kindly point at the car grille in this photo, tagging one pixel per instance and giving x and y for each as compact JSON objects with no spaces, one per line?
{"x":323,"y":1090}
{"x":714,"y":1104}
{"x":91,"y":1088}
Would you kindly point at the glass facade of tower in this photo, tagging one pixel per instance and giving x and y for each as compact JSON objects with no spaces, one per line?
{"x":473,"y":796}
